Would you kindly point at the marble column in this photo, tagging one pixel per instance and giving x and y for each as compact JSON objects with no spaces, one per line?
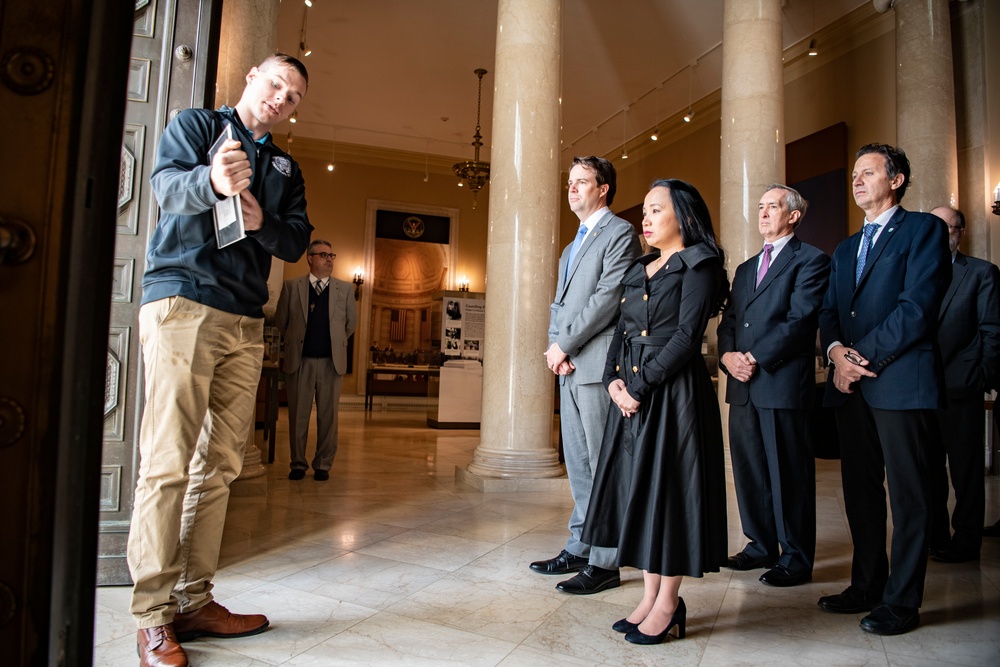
{"x":925,"y":102}
{"x":248,"y":34}
{"x":525,"y":195}
{"x":753,"y":129}
{"x":969,"y":50}
{"x":753,"y":120}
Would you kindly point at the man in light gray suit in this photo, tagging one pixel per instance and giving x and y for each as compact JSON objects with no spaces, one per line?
{"x":316,"y":315}
{"x":582,"y":321}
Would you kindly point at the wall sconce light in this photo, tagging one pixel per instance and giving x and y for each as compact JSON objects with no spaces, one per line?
{"x":996,"y":200}
{"x":359,"y":280}
{"x":463,"y":284}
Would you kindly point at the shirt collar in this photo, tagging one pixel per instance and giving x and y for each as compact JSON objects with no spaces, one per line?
{"x":594,"y":217}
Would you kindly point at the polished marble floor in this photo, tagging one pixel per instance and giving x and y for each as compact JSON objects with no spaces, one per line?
{"x":391,"y":562}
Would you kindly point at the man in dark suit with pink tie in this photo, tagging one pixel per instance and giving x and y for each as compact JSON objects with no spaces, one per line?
{"x":767,"y":345}
{"x":878,"y":325}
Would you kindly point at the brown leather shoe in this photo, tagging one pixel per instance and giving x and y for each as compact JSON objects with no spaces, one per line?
{"x":158,"y":647}
{"x":214,"y":620}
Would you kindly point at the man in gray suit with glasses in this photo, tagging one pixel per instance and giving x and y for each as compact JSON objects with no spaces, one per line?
{"x":582,"y":321}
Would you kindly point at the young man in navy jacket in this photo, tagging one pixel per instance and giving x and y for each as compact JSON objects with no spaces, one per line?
{"x":201,"y":328}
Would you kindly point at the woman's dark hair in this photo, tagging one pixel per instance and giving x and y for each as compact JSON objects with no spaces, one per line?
{"x":696,"y":227}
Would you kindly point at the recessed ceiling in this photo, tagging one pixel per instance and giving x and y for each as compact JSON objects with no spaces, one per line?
{"x":398,"y":74}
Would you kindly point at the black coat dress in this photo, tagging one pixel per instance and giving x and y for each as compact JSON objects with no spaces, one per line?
{"x":659,"y":492}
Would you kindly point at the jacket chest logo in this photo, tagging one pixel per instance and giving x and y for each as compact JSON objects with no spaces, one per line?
{"x":282,"y":164}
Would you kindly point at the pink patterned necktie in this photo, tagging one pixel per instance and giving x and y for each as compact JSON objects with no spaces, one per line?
{"x":765,"y":262}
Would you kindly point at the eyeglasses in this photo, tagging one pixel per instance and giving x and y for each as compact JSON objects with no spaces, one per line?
{"x":324,"y":255}
{"x":955,"y":228}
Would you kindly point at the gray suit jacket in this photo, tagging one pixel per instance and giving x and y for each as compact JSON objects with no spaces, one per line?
{"x":585,"y":310}
{"x":293,"y":310}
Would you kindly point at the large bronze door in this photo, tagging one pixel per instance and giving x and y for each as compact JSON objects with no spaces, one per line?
{"x":63,"y":66}
{"x":174,"y":45}
{"x":65,"y":74}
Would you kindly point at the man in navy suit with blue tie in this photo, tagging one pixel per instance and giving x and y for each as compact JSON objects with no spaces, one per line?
{"x":878,"y":324}
{"x":767,"y":345}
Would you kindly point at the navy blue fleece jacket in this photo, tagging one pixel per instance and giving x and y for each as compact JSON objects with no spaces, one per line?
{"x":183,"y":258}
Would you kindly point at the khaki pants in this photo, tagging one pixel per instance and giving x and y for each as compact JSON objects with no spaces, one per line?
{"x":202,"y":369}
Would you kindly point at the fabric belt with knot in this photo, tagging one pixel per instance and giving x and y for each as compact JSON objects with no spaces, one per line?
{"x":631,"y":342}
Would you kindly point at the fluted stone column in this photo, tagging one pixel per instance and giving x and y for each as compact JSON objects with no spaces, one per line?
{"x":516,"y":427}
{"x":753,"y":120}
{"x":248,"y":34}
{"x":925,"y":102}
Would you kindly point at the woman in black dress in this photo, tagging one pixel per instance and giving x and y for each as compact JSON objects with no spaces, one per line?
{"x":659,"y":492}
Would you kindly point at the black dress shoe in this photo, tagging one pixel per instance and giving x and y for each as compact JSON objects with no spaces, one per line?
{"x":851,"y":601}
{"x":625,"y":626}
{"x":782,"y":577}
{"x":591,"y":579}
{"x":296,"y":474}
{"x":887,"y":619}
{"x":954,"y":555}
{"x":321,"y":475}
{"x":564,"y":563}
{"x":744,"y":561}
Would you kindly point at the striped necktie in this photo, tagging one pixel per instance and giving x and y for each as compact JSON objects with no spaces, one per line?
{"x":866,"y":245}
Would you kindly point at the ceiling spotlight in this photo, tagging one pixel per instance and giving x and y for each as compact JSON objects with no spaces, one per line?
{"x":655,"y":135}
{"x":294,"y":117}
{"x":688,"y":116}
{"x":304,"y":48}
{"x":309,"y":3}
{"x":812,"y":48}
{"x":624,"y":153}
{"x":329,"y":167}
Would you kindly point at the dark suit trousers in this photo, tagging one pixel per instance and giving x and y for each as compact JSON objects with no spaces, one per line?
{"x":959,"y":436}
{"x":876,"y":445}
{"x":775,"y":476}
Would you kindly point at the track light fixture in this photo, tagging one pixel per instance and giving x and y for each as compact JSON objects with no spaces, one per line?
{"x":304,"y":49}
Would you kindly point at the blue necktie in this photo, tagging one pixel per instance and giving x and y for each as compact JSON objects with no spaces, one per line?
{"x":577,"y":242}
{"x":866,"y":245}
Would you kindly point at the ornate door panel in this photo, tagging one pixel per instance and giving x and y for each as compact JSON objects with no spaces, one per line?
{"x":172,"y":46}
{"x":63,"y":66}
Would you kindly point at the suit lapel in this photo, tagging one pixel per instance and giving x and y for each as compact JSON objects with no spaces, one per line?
{"x":303,"y":293}
{"x":884,"y":239}
{"x":587,"y":243}
{"x":959,"y":269}
{"x":777,"y":266}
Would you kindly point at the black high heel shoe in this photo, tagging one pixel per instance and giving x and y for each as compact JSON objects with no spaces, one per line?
{"x":679,"y":619}
{"x":625,"y":626}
